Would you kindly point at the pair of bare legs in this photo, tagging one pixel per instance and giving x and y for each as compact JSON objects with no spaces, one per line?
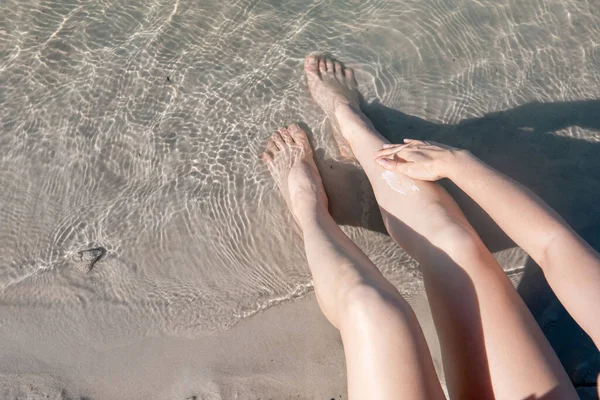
{"x":491,"y":345}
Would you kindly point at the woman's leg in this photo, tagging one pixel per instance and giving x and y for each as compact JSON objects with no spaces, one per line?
{"x":491,"y":345}
{"x":386,"y":353}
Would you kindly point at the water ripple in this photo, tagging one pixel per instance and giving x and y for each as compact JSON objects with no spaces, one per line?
{"x":135,"y":127}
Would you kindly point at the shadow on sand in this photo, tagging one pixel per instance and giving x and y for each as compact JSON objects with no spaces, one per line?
{"x":521,"y":143}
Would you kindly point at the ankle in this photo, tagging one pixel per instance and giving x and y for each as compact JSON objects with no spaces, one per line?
{"x":309,"y":215}
{"x":351,"y":120}
{"x":346,"y":110}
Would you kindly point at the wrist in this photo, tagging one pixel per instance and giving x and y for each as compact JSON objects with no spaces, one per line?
{"x":458,"y":164}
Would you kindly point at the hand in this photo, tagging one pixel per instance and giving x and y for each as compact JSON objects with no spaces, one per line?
{"x":426,"y":161}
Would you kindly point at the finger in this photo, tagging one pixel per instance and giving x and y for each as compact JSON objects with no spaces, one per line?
{"x":436,"y":144}
{"x":389,"y":164}
{"x":407,"y":142}
{"x":415,"y":142}
{"x":389,"y":151}
{"x":386,"y":152}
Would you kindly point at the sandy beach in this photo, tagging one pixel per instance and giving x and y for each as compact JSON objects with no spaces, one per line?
{"x":146,"y":252}
{"x":287,"y":352}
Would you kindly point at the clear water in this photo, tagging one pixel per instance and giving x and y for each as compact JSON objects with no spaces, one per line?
{"x":135,"y":126}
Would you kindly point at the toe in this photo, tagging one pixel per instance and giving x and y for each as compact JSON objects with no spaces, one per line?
{"x":329,"y":65}
{"x":267,"y":157}
{"x":278,"y":140}
{"x":299,"y":135}
{"x":322,"y":66}
{"x":286,"y":135}
{"x":349,"y":74}
{"x":311,"y":64}
{"x":294,"y":131}
{"x":272,"y":147}
{"x":339,"y":71}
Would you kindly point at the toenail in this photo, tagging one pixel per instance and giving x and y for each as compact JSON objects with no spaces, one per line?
{"x":293,"y":127}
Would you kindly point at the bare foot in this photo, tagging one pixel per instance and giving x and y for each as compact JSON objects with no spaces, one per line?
{"x":332,"y":85}
{"x":290,"y":160}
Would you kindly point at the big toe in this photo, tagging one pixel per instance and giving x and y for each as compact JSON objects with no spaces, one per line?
{"x":311,"y":65}
{"x":299,"y":136}
{"x":295,"y":130}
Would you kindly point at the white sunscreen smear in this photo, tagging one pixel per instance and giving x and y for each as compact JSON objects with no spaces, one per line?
{"x":399,"y":183}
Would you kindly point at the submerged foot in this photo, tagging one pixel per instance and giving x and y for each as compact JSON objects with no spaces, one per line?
{"x":332,"y":85}
{"x":289,"y":158}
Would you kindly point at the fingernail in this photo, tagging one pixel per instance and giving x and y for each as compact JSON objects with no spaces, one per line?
{"x":388,"y":145}
{"x":408,"y":140}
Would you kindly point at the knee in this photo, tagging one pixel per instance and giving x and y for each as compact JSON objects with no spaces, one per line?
{"x":374,"y":311}
{"x":457,"y":240}
{"x":365,"y":301}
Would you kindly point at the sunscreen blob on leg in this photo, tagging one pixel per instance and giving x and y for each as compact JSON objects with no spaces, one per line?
{"x":399,"y":182}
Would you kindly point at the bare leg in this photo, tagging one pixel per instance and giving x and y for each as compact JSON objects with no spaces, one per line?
{"x":386,"y":353}
{"x":491,"y":345}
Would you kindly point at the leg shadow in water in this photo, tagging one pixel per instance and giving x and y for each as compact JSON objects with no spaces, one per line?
{"x":521,"y":143}
{"x":351,"y":198}
{"x":564,"y":171}
{"x":573,"y":346}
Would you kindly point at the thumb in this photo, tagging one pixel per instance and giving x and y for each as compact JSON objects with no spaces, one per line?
{"x":390,"y":165}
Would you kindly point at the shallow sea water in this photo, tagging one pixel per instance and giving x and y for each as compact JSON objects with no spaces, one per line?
{"x":135,"y":127}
